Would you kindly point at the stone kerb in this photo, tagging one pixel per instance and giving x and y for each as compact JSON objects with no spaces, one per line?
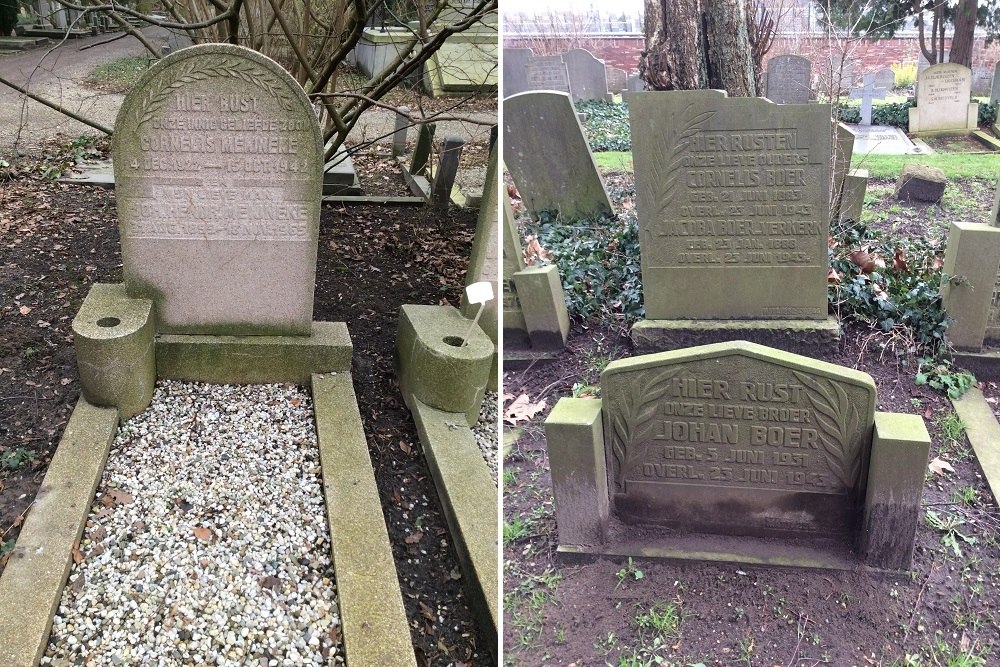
{"x":736,"y":451}
{"x":943,"y":94}
{"x":218,"y":169}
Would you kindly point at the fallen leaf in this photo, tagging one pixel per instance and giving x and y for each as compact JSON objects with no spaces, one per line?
{"x":24,"y":310}
{"x":204,"y":534}
{"x":833,"y":277}
{"x":899,"y":262}
{"x":77,"y":554}
{"x":414,"y":538}
{"x":98,"y":534}
{"x":426,"y":611}
{"x":939,"y":466}
{"x":863,"y":260}
{"x":929,"y":412}
{"x":295,"y":401}
{"x":270,"y":583}
{"x":404,"y":446}
{"x":116,"y":497}
{"x":522,"y":409}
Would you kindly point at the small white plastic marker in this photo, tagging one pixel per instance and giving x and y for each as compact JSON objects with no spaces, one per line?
{"x":480,"y":293}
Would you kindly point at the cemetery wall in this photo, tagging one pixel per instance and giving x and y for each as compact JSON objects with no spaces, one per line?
{"x":622,"y":51}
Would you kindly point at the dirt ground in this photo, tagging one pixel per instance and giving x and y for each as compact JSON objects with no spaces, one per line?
{"x":57,"y":240}
{"x":633,"y":613}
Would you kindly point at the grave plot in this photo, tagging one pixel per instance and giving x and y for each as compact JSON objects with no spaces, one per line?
{"x":195,"y":342}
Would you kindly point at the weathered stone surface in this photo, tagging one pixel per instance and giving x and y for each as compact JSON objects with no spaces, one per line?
{"x":995,"y":88}
{"x":808,"y":337}
{"x":515,"y":75}
{"x":434,"y":367}
{"x":218,"y":171}
{"x":843,"y":147}
{"x":943,"y":93}
{"x":984,"y":433}
{"x":543,"y":306}
{"x":921,"y":183}
{"x":574,"y":437}
{"x":547,"y":156}
{"x":588,"y":79}
{"x":972,"y":301}
{"x":617,"y":79}
{"x":113,"y":337}
{"x":32,"y":582}
{"x":734,"y":205}
{"x":885,"y":78}
{"x":635,"y":84}
{"x":254,"y":359}
{"x":895,"y":482}
{"x":515,"y":331}
{"x":737,"y":438}
{"x":484,"y":264}
{"x":373,"y":618}
{"x":852,"y":195}
{"x":546,"y":73}
{"x":995,"y":212}
{"x":788,"y":79}
{"x":468,"y":495}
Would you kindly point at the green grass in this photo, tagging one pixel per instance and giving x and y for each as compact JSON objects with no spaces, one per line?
{"x":120,"y":75}
{"x":614,"y":161}
{"x":954,"y":165}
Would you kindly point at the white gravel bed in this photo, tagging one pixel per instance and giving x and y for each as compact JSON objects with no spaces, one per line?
{"x":207,"y":543}
{"x":485,"y":432}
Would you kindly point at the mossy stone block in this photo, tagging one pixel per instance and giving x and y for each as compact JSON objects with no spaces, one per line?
{"x":254,"y":359}
{"x":922,"y":183}
{"x":543,"y":306}
{"x":435,"y":367}
{"x":900,"y":446}
{"x":113,"y":335}
{"x":574,"y":437}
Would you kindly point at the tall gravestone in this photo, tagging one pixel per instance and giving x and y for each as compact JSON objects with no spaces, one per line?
{"x":737,"y":451}
{"x":546,"y":73}
{"x":218,"y":173}
{"x":788,"y":79}
{"x":995,"y":88}
{"x":588,"y":79}
{"x":868,"y":92}
{"x":734,"y":206}
{"x":547,"y":156}
{"x":515,"y":75}
{"x":943,"y":94}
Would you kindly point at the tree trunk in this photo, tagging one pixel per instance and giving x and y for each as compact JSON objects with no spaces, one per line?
{"x":965,"y":33}
{"x":694,"y":44}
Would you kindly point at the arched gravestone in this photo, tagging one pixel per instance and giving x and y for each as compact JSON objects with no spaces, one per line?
{"x":788,"y":79}
{"x":218,"y":170}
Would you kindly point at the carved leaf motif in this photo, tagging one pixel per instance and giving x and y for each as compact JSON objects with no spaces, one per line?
{"x":632,"y":420}
{"x":837,"y":420}
{"x":204,"y":68}
{"x":670,"y":156}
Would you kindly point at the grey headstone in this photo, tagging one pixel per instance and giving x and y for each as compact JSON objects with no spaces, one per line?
{"x":515,"y":75}
{"x":788,"y":79}
{"x":399,"y":131}
{"x":635,"y":84}
{"x":868,"y":92}
{"x":616,"y":79}
{"x":484,"y":263}
{"x":422,"y":151}
{"x":444,"y":177}
{"x":943,"y":100}
{"x":995,"y":89}
{"x":733,"y":203}
{"x":547,"y":156}
{"x":588,"y":79}
{"x":547,"y":73}
{"x":218,"y":170}
{"x":885,"y":78}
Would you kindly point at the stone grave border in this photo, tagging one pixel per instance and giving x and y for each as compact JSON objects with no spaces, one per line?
{"x":373,"y":619}
{"x":984,"y":433}
{"x":443,"y":386}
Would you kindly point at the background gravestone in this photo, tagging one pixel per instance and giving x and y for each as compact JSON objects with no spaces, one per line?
{"x":788,"y":79}
{"x":995,"y":88}
{"x":588,"y":79}
{"x":546,"y":73}
{"x":616,"y":79}
{"x":634,"y":83}
{"x":515,"y":75}
{"x":885,"y":78}
{"x":868,"y":92}
{"x":218,"y":170}
{"x":734,"y":205}
{"x":547,"y":156}
{"x":943,"y":94}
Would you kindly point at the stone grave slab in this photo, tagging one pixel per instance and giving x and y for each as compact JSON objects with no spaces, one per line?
{"x":788,"y":79}
{"x":588,"y":79}
{"x":882,"y":140}
{"x":217,"y":160}
{"x":515,"y":75}
{"x":736,"y":451}
{"x":339,"y":175}
{"x":734,"y":205}
{"x":547,"y":73}
{"x":943,"y":100}
{"x":547,"y":155}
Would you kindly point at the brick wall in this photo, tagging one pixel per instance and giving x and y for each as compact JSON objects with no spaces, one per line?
{"x":623,"y":51}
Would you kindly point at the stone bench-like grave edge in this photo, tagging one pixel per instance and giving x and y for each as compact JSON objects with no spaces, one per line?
{"x":737,"y":452}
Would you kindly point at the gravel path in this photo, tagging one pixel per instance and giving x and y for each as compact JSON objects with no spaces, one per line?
{"x":485,"y":432}
{"x":208,"y":541}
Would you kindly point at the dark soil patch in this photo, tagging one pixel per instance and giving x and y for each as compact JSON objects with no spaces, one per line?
{"x":57,"y":240}
{"x":956,"y":144}
{"x":943,"y":612}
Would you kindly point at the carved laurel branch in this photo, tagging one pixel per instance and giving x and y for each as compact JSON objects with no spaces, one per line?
{"x":634,"y":420}
{"x":669,"y":157}
{"x":837,"y":419}
{"x":200,"y":70}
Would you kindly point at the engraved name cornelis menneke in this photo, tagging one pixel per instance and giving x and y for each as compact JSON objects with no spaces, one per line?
{"x":784,"y":435}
